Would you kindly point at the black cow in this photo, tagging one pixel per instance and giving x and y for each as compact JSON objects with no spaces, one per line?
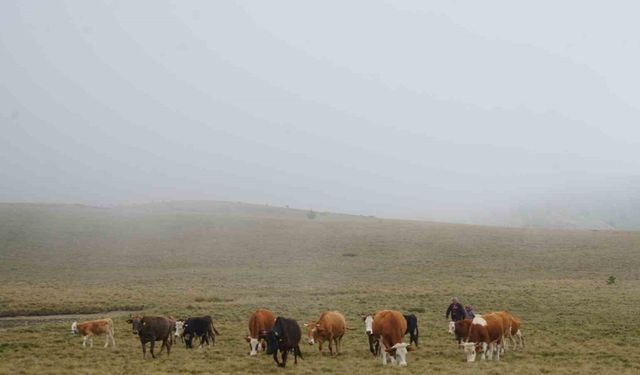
{"x":202,"y":327}
{"x":284,"y":337}
{"x":412,"y":328}
{"x":151,"y":329}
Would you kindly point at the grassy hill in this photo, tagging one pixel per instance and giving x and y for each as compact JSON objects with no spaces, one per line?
{"x":227,"y":259}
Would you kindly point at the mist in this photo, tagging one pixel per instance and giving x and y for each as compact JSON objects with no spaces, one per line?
{"x":455,"y":111}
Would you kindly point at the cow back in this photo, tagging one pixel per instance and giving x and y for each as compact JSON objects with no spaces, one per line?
{"x":332,"y":322}
{"x":391,"y":325}
{"x":289,"y":332}
{"x":261,"y":320}
{"x":156,"y":326}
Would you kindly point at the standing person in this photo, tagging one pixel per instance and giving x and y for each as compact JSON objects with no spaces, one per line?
{"x":456,"y":310}
{"x":468,"y":311}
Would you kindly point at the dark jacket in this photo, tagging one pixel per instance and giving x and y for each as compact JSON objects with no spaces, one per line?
{"x":456,"y":310}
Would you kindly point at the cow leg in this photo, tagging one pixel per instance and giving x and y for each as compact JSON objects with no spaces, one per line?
{"x":499,"y":347}
{"x":144,"y":350}
{"x":382,"y":350}
{"x":168,"y":345}
{"x":84,"y":341}
{"x":91,"y":340}
{"x":106,"y":343}
{"x":285,"y":353}
{"x":320,"y":342}
{"x":152,"y":344}
{"x":113,"y":340}
{"x":331,"y":345}
{"x":275,"y":357}
{"x":161,"y":347}
{"x":484,"y":351}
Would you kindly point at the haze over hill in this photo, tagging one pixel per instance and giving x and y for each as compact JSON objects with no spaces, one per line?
{"x":519,"y":115}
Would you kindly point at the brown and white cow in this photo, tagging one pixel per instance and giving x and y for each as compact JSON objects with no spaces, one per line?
{"x":461,"y":329}
{"x":260,"y":322}
{"x":92,"y":328}
{"x":388,"y":327}
{"x":485,"y":335}
{"x":331,"y":326}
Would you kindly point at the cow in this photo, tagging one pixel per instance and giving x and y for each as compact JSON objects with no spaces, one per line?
{"x":197,"y":327}
{"x":388,"y":328}
{"x":92,"y":328}
{"x":151,"y":329}
{"x":485,"y":335}
{"x":516,"y":332}
{"x":412,"y":329}
{"x":260,"y":322}
{"x":284,"y":337}
{"x":461,"y":329}
{"x":330,"y":327}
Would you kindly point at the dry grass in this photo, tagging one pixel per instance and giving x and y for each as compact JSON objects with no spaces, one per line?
{"x":229,"y":259}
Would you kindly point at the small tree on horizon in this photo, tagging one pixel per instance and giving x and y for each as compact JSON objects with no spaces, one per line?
{"x":311,"y":214}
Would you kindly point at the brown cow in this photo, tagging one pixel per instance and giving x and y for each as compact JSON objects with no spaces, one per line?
{"x":330,"y":327}
{"x":388,"y":327}
{"x":260,"y":322}
{"x":485,"y":333}
{"x":151,"y":329}
{"x":92,"y":328}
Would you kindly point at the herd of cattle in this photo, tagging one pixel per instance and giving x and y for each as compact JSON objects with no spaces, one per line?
{"x":487,"y":334}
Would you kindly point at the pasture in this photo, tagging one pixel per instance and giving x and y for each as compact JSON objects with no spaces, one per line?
{"x":228,"y":259}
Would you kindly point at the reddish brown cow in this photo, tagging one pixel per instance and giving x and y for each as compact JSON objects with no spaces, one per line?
{"x":485,"y":335}
{"x":92,"y":328}
{"x":330,"y":327}
{"x":260,"y":322}
{"x":388,"y":327}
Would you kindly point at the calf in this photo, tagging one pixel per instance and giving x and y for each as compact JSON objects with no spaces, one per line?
{"x":330,"y":327}
{"x":151,"y":329}
{"x":284,"y":337}
{"x":412,"y":328}
{"x":260,"y":322}
{"x":485,"y":333}
{"x":197,"y":327}
{"x":92,"y":328}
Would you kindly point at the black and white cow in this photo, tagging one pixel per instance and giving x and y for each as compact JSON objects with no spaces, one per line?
{"x":201,"y":326}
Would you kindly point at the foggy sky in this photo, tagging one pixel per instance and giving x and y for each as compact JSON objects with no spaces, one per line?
{"x":400,"y":109}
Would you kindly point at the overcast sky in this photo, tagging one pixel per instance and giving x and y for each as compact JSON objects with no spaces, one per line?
{"x":393,"y":108}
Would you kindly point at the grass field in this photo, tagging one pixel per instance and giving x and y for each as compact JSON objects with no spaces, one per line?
{"x":228,"y":259}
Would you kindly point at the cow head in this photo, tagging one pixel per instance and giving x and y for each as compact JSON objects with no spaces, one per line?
{"x":179,"y":328}
{"x":472,"y":348}
{"x":368,"y":324}
{"x":136,"y":323}
{"x":452,"y":327}
{"x":74,"y":328}
{"x":399,"y":350}
{"x":272,"y":338}
{"x":312,"y":332}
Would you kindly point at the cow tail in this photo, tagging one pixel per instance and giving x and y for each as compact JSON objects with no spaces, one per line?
{"x":417,"y":335}
{"x":215,"y":330}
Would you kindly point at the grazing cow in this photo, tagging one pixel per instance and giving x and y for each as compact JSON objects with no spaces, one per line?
{"x":151,"y":329}
{"x":412,"y":328}
{"x":284,"y":337}
{"x":485,"y":335}
{"x":388,"y":328}
{"x":330,"y":327}
{"x":92,"y":328}
{"x":197,"y":327}
{"x":260,"y":322}
{"x":461,"y":329}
